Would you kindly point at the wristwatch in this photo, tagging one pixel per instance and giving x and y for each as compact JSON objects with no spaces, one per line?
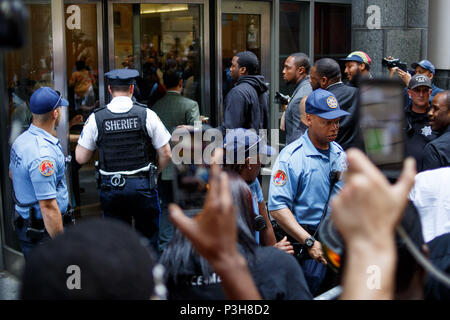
{"x":309,"y":242}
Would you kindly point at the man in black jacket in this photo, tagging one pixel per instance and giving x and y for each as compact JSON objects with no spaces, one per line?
{"x":326,"y":74}
{"x":247,"y":103}
{"x":437,"y":152}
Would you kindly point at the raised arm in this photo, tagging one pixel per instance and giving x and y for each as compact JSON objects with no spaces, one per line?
{"x":213,"y":233}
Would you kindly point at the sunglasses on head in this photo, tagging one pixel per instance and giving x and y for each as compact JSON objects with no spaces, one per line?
{"x":58,"y":101}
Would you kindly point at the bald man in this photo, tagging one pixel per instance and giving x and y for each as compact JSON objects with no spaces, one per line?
{"x":437,"y":152}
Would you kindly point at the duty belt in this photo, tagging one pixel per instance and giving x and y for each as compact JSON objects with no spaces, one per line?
{"x":118,"y":181}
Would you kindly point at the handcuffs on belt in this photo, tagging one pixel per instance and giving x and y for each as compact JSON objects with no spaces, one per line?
{"x":118,"y":181}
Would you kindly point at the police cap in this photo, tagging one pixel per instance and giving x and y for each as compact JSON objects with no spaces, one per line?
{"x":419,"y":80}
{"x":45,"y":99}
{"x":121,"y":77}
{"x":324,"y":104}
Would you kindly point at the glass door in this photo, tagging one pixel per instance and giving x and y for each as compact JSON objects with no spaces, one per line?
{"x":156,"y":37}
{"x":245,"y":27}
{"x":84,"y":65}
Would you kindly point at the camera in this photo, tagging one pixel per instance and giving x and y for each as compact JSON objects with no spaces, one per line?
{"x":392,"y":63}
{"x":282,"y":98}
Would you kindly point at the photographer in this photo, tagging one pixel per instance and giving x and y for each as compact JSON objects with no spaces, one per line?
{"x":296,"y":71}
{"x":423,"y":67}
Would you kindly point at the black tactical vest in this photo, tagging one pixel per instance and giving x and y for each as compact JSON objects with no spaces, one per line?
{"x":123,"y":142}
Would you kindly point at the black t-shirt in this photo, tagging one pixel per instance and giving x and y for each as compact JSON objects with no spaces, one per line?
{"x":277,"y":276}
{"x":418,"y":134}
{"x":326,"y":153}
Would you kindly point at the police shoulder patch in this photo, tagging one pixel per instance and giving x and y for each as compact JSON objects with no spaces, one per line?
{"x":46,"y":168}
{"x":280,"y":178}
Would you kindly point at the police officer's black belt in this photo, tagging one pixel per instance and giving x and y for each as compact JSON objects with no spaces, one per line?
{"x":126,"y":176}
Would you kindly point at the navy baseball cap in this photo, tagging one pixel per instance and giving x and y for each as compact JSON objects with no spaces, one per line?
{"x":424,"y":64}
{"x":419,"y":80}
{"x":45,"y":99}
{"x":122,"y":77}
{"x":324,"y":104}
{"x":245,"y":142}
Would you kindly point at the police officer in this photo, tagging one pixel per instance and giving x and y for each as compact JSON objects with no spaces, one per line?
{"x":131,"y":140}
{"x":418,"y":129}
{"x":304,"y":178}
{"x":37,"y":167}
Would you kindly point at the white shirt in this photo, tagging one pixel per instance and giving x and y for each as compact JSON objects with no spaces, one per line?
{"x":155,"y":129}
{"x":431,"y":196}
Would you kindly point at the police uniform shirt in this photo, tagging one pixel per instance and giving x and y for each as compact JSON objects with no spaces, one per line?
{"x":37,"y":167}
{"x":155,"y":128}
{"x":418,"y":135}
{"x":300,"y":179}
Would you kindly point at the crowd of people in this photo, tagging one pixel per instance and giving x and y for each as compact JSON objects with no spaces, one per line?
{"x":238,"y":244}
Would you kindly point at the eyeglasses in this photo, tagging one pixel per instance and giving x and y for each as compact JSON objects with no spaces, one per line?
{"x":58,"y":101}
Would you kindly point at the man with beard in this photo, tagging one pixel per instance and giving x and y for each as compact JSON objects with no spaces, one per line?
{"x":357,"y":67}
{"x":37,"y":167}
{"x":247,"y":103}
{"x":296,"y":70}
{"x":437,"y":152}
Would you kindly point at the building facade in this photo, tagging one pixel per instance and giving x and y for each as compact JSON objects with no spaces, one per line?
{"x":72,"y":44}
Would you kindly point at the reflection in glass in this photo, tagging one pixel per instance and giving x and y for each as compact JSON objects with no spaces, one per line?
{"x":29,"y":68}
{"x":294,"y":35}
{"x":82,"y":60}
{"x":26,"y":70}
{"x":240,"y":32}
{"x":154,"y":38}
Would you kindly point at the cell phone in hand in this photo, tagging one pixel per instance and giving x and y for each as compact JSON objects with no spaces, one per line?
{"x":191,"y":180}
{"x":382,"y":122}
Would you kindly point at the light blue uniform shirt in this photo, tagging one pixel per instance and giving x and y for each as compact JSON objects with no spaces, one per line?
{"x":257,"y":195}
{"x":300,"y":179}
{"x":37,"y":165}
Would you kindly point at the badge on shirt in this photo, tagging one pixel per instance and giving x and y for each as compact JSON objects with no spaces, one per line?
{"x":47,"y":168}
{"x":426,"y":131}
{"x":280,"y":178}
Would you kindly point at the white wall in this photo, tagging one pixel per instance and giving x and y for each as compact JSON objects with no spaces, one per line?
{"x":439,"y":34}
